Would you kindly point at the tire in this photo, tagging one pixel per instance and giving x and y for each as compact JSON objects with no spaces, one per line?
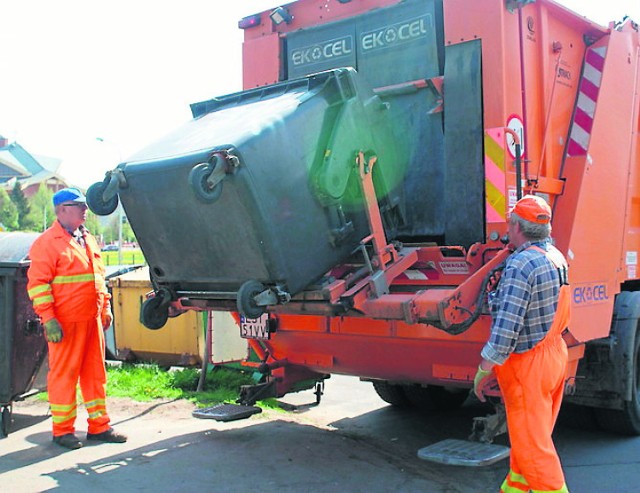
{"x":578,"y":417}
{"x":391,"y":393}
{"x":447,"y":398}
{"x":245,"y":301}
{"x":201,"y":188}
{"x":625,"y":421}
{"x":419,"y":397}
{"x":435,"y":397}
{"x":96,"y":202}
{"x":153,"y":315}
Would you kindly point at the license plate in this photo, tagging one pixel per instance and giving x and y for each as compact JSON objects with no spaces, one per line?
{"x":255,"y":328}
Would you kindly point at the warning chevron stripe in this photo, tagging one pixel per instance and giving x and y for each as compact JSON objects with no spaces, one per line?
{"x":494,"y":171}
{"x":587,"y":100}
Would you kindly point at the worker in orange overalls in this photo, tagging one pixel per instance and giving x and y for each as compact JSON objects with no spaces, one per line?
{"x":67,"y":287}
{"x":526,"y":352}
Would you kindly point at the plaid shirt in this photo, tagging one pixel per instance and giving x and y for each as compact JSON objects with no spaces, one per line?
{"x":524,"y":303}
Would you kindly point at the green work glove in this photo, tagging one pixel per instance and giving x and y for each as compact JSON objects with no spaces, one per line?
{"x":480,"y":381}
{"x":53,"y":330}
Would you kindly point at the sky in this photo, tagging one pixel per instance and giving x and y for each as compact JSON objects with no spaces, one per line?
{"x":90,"y":82}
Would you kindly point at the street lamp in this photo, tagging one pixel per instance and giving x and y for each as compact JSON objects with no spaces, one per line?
{"x":120,"y":209}
{"x":120,"y":219}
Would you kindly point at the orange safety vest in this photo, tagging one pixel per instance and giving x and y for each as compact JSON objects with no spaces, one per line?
{"x":66,"y":281}
{"x":532,"y":384}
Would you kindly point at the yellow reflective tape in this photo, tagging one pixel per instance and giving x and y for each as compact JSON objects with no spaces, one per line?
{"x":62,"y":407}
{"x":518,"y":478}
{"x":495,"y":198}
{"x":514,"y":483}
{"x":58,"y":414}
{"x":43,"y":299}
{"x":507,"y":488}
{"x":564,"y":489}
{"x":62,"y":418}
{"x":494,"y":151}
{"x":72,"y":279}
{"x":94,"y":402}
{"x":97,"y":414}
{"x":39,"y":289}
{"x":62,"y":413}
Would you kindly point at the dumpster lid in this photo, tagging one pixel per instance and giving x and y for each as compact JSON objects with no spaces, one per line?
{"x":14,"y":248}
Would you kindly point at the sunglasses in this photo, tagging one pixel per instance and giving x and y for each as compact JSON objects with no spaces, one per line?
{"x":75,"y":204}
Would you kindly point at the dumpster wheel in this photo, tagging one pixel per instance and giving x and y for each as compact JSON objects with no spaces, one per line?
{"x":5,"y":421}
{"x":96,"y":202}
{"x":206,"y":188}
{"x":154,"y":313}
{"x":246,"y":299}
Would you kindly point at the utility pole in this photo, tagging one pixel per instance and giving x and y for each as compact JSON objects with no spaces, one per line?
{"x":120,"y":219}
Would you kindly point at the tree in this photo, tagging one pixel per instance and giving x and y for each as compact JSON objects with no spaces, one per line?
{"x":20,"y":201}
{"x":8,"y":211}
{"x":41,"y":214}
{"x":110,"y":229}
{"x":93,"y":225}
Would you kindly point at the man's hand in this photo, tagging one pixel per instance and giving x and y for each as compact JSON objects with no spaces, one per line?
{"x":107,"y":318}
{"x":53,"y":330}
{"x":494,"y":279}
{"x":481,"y":382}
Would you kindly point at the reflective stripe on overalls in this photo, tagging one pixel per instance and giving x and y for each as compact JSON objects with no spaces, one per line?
{"x":532,"y":384}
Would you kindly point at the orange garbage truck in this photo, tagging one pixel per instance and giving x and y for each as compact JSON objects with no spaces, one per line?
{"x":350,"y":204}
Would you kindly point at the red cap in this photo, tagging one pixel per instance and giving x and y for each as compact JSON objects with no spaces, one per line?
{"x":533,"y":209}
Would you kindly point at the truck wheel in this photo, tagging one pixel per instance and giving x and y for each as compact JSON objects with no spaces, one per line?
{"x":578,"y":417}
{"x":447,"y":398}
{"x":391,"y":393}
{"x":435,"y":397}
{"x":95,"y":200}
{"x":153,"y":313}
{"x":625,"y":421}
{"x":246,"y":302}
{"x":198,"y":180}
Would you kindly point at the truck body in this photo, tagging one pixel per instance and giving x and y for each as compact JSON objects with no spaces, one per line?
{"x":487,"y":100}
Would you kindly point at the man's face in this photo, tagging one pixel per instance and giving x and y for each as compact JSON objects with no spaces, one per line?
{"x":72,"y":214}
{"x":515,"y":235}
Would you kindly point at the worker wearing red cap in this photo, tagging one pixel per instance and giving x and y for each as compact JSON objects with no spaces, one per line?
{"x":66,"y":284}
{"x":526,"y":351}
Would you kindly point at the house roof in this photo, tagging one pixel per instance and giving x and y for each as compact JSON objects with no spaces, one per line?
{"x":49,"y":163}
{"x":10,"y":161}
{"x":40,"y":177}
{"x":15,"y":154}
{"x":18,"y":164}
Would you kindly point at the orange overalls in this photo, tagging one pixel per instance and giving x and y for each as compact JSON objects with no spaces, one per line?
{"x":532,"y":384}
{"x":67,"y":282}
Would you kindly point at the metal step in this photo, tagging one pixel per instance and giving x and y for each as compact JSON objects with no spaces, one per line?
{"x":226,"y":412}
{"x":464,"y":453}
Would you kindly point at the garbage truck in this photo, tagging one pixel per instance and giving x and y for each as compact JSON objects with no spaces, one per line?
{"x":350,"y":205}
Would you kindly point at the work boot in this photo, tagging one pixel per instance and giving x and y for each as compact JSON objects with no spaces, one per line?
{"x":69,"y":441}
{"x":109,"y":436}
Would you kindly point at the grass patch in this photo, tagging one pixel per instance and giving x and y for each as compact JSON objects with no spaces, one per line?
{"x":130,"y":256}
{"x":141,"y":383}
{"x":148,"y":382}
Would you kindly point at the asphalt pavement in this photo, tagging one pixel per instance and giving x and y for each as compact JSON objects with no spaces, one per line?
{"x":351,"y":442}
